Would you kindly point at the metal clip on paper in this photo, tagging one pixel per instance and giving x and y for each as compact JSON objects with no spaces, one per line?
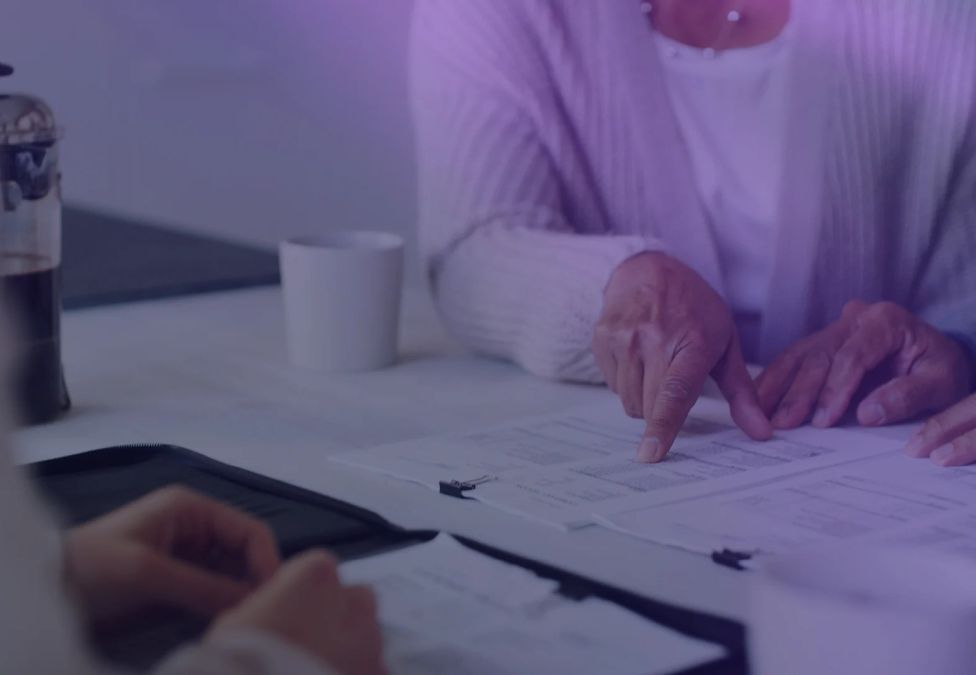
{"x":734,"y":559}
{"x":457,"y":488}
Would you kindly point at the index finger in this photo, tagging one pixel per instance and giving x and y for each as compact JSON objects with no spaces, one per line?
{"x":676,"y":393}
{"x":871,"y":343}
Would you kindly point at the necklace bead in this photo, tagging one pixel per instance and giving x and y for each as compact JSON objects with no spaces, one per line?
{"x":733,"y":17}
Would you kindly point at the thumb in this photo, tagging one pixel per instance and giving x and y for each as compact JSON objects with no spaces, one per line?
{"x":177,"y":584}
{"x":739,"y":390}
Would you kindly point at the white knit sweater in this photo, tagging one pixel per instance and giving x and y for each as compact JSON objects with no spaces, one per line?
{"x":549,"y":153}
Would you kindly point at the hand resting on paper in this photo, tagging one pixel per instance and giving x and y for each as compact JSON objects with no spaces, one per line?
{"x":948,"y":438}
{"x":662,"y":332}
{"x":178,"y":549}
{"x":306,"y":605}
{"x":172,"y":548}
{"x":878,"y":357}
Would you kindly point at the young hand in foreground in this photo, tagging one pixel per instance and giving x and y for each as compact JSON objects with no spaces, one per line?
{"x":173,"y":548}
{"x":306,"y":605}
{"x":178,"y":549}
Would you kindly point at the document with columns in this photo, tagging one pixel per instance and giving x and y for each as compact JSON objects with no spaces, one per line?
{"x":717,"y":489}
{"x":579,"y":468}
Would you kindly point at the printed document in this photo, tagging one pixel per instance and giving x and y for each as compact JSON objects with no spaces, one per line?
{"x":445,"y":608}
{"x":889,"y":499}
{"x":716,"y":489}
{"x":576,"y":468}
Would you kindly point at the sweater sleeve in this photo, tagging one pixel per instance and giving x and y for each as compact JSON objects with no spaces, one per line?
{"x":513,"y":274}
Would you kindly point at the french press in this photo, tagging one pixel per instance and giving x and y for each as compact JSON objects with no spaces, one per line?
{"x":30,"y":251}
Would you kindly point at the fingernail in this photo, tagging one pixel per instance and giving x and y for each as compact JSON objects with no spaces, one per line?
{"x":942,"y":455}
{"x":872,"y":414}
{"x":821,"y":418}
{"x":647,"y":452}
{"x":915,"y":446}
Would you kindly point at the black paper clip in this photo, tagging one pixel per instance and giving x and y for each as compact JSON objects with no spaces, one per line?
{"x":457,"y":488}
{"x":733,"y":559}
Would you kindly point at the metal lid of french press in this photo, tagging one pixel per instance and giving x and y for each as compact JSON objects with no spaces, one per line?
{"x":25,"y":119}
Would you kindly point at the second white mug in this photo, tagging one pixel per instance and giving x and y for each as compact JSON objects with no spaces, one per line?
{"x":857,"y":610}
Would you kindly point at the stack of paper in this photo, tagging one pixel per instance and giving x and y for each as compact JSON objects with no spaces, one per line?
{"x":717,"y":489}
{"x":890,"y":499}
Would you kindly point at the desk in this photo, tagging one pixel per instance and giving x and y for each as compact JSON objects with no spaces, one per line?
{"x":209,"y":373}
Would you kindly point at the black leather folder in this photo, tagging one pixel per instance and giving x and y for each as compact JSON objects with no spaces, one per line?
{"x":87,"y":485}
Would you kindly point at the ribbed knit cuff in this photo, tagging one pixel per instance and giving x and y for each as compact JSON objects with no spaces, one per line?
{"x":532,"y":295}
{"x":583,"y":304}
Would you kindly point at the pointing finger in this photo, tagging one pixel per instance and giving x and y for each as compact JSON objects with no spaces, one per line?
{"x":678,"y":391}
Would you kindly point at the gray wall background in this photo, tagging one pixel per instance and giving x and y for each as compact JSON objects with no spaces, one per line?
{"x":251,"y":119}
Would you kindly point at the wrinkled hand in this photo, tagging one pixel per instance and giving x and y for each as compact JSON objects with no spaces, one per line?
{"x":662,"y":332}
{"x":173,"y":548}
{"x":948,"y":438}
{"x":908,"y":367}
{"x":306,"y":606}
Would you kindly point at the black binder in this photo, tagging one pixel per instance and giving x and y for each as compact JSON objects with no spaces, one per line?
{"x":88,"y":485}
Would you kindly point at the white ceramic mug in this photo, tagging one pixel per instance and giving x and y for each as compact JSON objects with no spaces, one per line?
{"x":864,"y":610}
{"x":342,"y":299}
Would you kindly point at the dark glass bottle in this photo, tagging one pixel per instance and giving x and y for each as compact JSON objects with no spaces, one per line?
{"x":30,"y":252}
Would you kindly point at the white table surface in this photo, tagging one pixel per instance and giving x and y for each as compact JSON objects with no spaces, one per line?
{"x":209,"y":373}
